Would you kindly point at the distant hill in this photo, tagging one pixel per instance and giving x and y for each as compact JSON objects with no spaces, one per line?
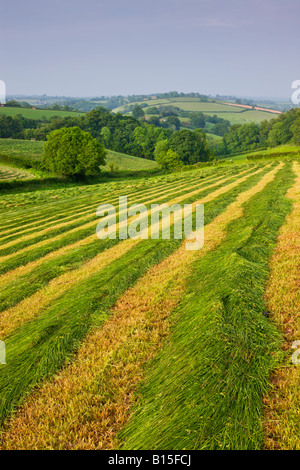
{"x":234,"y":114}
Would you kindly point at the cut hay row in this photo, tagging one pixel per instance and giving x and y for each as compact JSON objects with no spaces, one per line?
{"x":9,"y":173}
{"x":30,"y":307}
{"x":205,"y":389}
{"x":282,"y":404}
{"x":89,"y":210}
{"x":28,"y":285}
{"x":87,"y":403}
{"x":45,"y":246}
{"x":13,"y":246}
{"x":55,"y":209}
{"x":77,"y":209}
{"x":40,"y":347}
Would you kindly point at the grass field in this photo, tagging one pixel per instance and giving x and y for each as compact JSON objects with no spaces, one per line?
{"x":8,"y":173}
{"x":37,"y":113}
{"x":282,"y":151}
{"x":143,"y":344}
{"x":233,"y":114}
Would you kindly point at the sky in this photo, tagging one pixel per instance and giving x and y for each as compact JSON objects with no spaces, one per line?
{"x":117,"y":47}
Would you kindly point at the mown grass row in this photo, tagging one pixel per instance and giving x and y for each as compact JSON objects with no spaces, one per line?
{"x":78,"y":207}
{"x":37,"y":349}
{"x":282,"y":296}
{"x":35,"y":204}
{"x":26,"y":285}
{"x":46,"y":245}
{"x":85,"y":405}
{"x":91,"y":205}
{"x":61,"y":208}
{"x":205,"y":389}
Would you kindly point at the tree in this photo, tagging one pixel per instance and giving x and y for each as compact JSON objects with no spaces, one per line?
{"x":170,"y":161}
{"x":154,"y":120}
{"x":13,"y":104}
{"x":71,"y":151}
{"x":137,"y":112}
{"x":152,"y":110}
{"x":197,"y":120}
{"x":221,"y":128}
{"x":296,"y":131}
{"x":239,"y":138}
{"x":165,"y":157}
{"x":11,"y":127}
{"x":174,"y":121}
{"x":161,"y":148}
{"x":192,"y":147}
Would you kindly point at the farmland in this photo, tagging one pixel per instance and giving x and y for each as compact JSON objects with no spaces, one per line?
{"x":39,"y":114}
{"x":233,"y":114}
{"x":143,"y":344}
{"x":8,"y":173}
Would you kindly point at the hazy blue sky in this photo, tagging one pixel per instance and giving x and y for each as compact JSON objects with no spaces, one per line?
{"x":111,"y":47}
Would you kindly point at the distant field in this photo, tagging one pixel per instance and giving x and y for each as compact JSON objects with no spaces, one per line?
{"x":37,"y":113}
{"x":245,"y":116}
{"x":230,"y":113}
{"x":282,"y":151}
{"x":192,"y":104}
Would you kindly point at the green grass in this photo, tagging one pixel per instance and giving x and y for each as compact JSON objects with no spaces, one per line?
{"x":26,"y":148}
{"x":17,"y":259}
{"x":40,"y":276}
{"x":233,"y":114}
{"x":124,"y":162}
{"x":205,"y":389}
{"x":8,"y":173}
{"x":38,"y":114}
{"x":281,"y":151}
{"x":40,"y":347}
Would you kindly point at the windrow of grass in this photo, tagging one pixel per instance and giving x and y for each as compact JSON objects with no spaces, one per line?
{"x":49,"y":202}
{"x":76,"y":235}
{"x":90,"y":207}
{"x":37,"y":349}
{"x":88,"y":402}
{"x":67,"y":209}
{"x":282,"y":296}
{"x":84,"y":221}
{"x":61,"y":267}
{"x":205,"y":389}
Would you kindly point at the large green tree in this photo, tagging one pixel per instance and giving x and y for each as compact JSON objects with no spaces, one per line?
{"x":192,"y":147}
{"x":137,"y":112}
{"x":197,"y":120}
{"x":72,"y":151}
{"x":10,"y":127}
{"x":165,"y":157}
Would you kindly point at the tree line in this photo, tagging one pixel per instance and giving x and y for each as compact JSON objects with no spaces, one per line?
{"x":281,"y":130}
{"x":116,"y":132}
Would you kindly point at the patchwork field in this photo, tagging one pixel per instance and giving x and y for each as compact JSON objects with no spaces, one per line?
{"x":234,"y":115}
{"x":143,"y":344}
